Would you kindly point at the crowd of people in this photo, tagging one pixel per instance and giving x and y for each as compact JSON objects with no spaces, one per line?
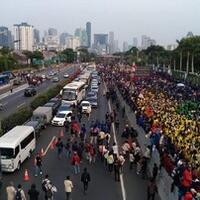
{"x":155,"y":100}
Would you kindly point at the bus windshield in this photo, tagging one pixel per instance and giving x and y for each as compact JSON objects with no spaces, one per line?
{"x":69,"y":95}
{"x":7,"y":153}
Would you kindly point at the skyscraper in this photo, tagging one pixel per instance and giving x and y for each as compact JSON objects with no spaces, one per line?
{"x":101,"y":43}
{"x":125,"y":46}
{"x":52,"y":32}
{"x":135,"y":42}
{"x":23,"y":37}
{"x":147,"y":42}
{"x":5,"y":37}
{"x":111,"y":42}
{"x":63,"y":38}
{"x":36,"y":36}
{"x":82,"y":34}
{"x":89,"y":34}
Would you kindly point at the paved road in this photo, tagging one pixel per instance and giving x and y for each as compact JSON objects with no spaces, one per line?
{"x":16,"y":100}
{"x":102,"y":186}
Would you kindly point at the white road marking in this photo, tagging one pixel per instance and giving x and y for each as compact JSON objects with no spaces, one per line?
{"x":53,"y":138}
{"x":115,"y":140}
{"x":21,"y":105}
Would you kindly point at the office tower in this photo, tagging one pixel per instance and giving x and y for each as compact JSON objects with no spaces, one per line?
{"x":23,"y":37}
{"x":116,"y":46}
{"x":111,"y":42}
{"x":63,"y":38}
{"x":5,"y":37}
{"x":101,"y":43}
{"x":82,"y":34}
{"x":125,"y":46}
{"x":36,"y":36}
{"x":89,"y":34}
{"x":147,"y":42}
{"x":73,"y":42}
{"x":135,"y":42}
{"x":52,"y":32}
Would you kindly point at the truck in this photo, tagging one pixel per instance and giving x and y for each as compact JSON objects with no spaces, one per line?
{"x":43,"y":115}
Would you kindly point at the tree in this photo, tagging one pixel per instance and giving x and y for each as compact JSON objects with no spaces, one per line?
{"x":70,"y":55}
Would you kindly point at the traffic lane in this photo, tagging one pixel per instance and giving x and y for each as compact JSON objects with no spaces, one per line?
{"x":18,"y":99}
{"x":102,"y":185}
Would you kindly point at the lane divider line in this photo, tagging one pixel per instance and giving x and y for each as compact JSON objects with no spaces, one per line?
{"x":115,"y":140}
{"x":46,"y":150}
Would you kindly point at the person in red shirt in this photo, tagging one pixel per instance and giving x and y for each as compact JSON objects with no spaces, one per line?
{"x":187,"y":178}
{"x":76,"y":163}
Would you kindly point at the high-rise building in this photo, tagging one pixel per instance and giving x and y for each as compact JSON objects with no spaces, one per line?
{"x":5,"y":37}
{"x":135,"y":42}
{"x":147,"y":42}
{"x":125,"y":46}
{"x":36,"y":36}
{"x":23,"y":37}
{"x":116,"y":46}
{"x":63,"y":38}
{"x":73,"y":42}
{"x":52,"y":32}
{"x":82,"y":34}
{"x":89,"y":34}
{"x":101,"y":43}
{"x":111,"y":42}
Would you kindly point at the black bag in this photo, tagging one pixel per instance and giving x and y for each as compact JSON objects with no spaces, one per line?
{"x":18,"y":195}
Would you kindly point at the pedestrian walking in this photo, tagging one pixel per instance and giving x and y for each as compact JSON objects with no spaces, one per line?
{"x":68,"y":148}
{"x":68,"y":187}
{"x":10,"y":190}
{"x":92,"y":154}
{"x":48,"y":188}
{"x":131,"y":160}
{"x":151,"y":189}
{"x":33,"y":193}
{"x":83,"y":133}
{"x":20,"y":195}
{"x":38,"y":165}
{"x":59,"y":146}
{"x":155,"y":171}
{"x":76,"y":163}
{"x":117,"y":169}
{"x":110,"y":161}
{"x":85,"y":179}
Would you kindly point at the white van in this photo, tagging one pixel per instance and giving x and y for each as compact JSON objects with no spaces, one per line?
{"x":15,"y":146}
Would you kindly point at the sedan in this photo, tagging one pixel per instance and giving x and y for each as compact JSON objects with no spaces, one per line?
{"x":94,"y":88}
{"x":93,"y":102}
{"x":86,"y":107}
{"x":66,"y":76}
{"x":30,"y":91}
{"x":55,"y":79}
{"x":61,"y":118}
{"x":91,"y":94}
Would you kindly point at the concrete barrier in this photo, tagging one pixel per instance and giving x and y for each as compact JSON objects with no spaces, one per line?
{"x":164,"y":181}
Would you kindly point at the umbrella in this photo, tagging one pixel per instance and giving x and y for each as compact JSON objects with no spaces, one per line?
{"x":180,"y":85}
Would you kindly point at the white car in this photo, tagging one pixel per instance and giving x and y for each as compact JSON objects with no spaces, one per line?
{"x":66,"y":76}
{"x":94,"y":81}
{"x":61,"y":118}
{"x":86,"y":107}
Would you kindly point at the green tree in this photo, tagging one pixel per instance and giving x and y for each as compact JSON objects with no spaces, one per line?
{"x":70,"y":55}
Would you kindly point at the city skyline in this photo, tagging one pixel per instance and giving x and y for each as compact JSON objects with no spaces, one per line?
{"x":165,"y":22}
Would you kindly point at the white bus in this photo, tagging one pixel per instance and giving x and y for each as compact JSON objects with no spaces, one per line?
{"x":73,"y":93}
{"x":15,"y":146}
{"x":86,"y":77}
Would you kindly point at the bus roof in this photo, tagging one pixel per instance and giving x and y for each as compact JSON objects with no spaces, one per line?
{"x":74,"y":85}
{"x":13,"y":137}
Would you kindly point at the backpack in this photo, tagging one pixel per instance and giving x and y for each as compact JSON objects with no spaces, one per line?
{"x":44,"y":186}
{"x":18,"y":195}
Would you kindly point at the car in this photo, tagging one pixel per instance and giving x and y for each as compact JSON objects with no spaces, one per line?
{"x":51,"y":73}
{"x":65,"y":107}
{"x":43,"y":76}
{"x":61,"y":118}
{"x":30,"y":91}
{"x":93,"y":101}
{"x":94,"y":81}
{"x":94,"y":88}
{"x":53,"y":105}
{"x":86,"y":107}
{"x":91,"y":94}
{"x":66,"y":75}
{"x":55,"y":79}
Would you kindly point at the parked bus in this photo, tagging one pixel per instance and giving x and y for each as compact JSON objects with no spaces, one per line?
{"x":15,"y":146}
{"x":73,"y":93}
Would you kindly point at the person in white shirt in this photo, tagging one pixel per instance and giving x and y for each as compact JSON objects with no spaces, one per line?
{"x":10,"y":190}
{"x":68,"y":187}
{"x":115,"y":149}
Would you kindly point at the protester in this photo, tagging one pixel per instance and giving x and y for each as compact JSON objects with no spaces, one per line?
{"x":38,"y":165}
{"x":151,"y":189}
{"x":10,"y":190}
{"x":20,"y":195}
{"x":33,"y":193}
{"x":68,"y":187}
{"x":59,"y":146}
{"x":75,"y":161}
{"x":85,"y":179}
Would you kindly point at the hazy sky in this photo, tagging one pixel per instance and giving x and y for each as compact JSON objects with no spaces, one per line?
{"x":163,"y":20}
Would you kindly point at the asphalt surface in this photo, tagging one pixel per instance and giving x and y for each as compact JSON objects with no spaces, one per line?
{"x":17,"y":100}
{"x":102,"y":186}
